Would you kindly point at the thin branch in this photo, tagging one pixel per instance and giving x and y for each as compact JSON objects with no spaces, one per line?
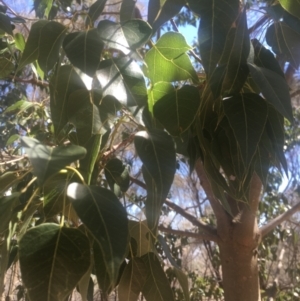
{"x":32,"y":81}
{"x":207,"y":230}
{"x":266,"y":229}
{"x":201,"y":236}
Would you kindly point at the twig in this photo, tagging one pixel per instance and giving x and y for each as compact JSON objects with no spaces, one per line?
{"x":266,"y":229}
{"x":184,"y":233}
{"x":32,"y":81}
{"x":207,"y":230}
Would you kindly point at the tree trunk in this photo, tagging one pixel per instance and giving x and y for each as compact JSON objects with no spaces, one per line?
{"x":240,"y":271}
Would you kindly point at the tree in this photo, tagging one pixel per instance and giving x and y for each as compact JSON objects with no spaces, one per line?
{"x":109,"y":97}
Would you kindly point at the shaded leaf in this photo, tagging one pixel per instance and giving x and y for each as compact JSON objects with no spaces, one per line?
{"x":183,"y":280}
{"x":117,"y":175}
{"x":293,"y":7}
{"x":157,"y":152}
{"x":46,"y":161}
{"x":7,"y":204}
{"x":43,"y":44}
{"x":94,"y":12}
{"x":84,"y":49}
{"x":105,"y":217}
{"x":62,"y":84}
{"x":157,"y":286}
{"x":132,"y":280}
{"x":64,"y":254}
{"x":19,"y":41}
{"x":5,"y":24}
{"x":42,"y":8}
{"x":6,"y":67}
{"x":18,"y":107}
{"x":274,"y":88}
{"x":127,"y":10}
{"x":7,"y":179}
{"x":169,"y":53}
{"x":247,"y":115}
{"x":123,"y":79}
{"x":181,"y":107}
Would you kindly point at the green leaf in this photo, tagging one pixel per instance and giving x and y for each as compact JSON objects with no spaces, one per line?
{"x":264,"y":58}
{"x":43,"y":44}
{"x":123,"y":79}
{"x":181,"y":107}
{"x":127,"y":10}
{"x":217,"y":18}
{"x":19,"y":107}
{"x":247,"y":115}
{"x":169,"y":53}
{"x":184,"y":283}
{"x":6,"y":67}
{"x":157,"y":91}
{"x":64,"y":254}
{"x":117,"y":176}
{"x":7,"y":204}
{"x":94,"y":12}
{"x":62,"y":85}
{"x":274,"y":88}
{"x":42,"y":8}
{"x":168,"y":9}
{"x":153,"y":10}
{"x":157,"y":286}
{"x":84,"y":50}
{"x":284,"y":41}
{"x":140,"y":232}
{"x":125,"y":37}
{"x":293,"y":7}
{"x":105,"y":217}
{"x":46,"y":161}
{"x":133,"y":280}
{"x":5,"y":24}
{"x":19,"y":41}
{"x":157,"y":152}
{"x":12,"y":139}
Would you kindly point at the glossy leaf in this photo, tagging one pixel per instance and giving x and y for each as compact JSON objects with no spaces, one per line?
{"x":133,"y":280}
{"x":293,"y":7}
{"x":6,"y":67}
{"x":46,"y":161}
{"x":168,"y":10}
{"x":117,"y":175}
{"x":181,"y":107}
{"x":105,"y":217}
{"x":157,"y":91}
{"x":5,"y":24}
{"x":157,"y":286}
{"x":140,"y":232}
{"x":123,"y":79}
{"x":169,"y":53}
{"x":247,"y":115}
{"x":94,"y":12}
{"x":62,"y":85}
{"x":274,"y":88}
{"x":84,"y":49}
{"x":157,"y":152}
{"x":43,"y":44}
{"x":125,"y":37}
{"x":64,"y":254}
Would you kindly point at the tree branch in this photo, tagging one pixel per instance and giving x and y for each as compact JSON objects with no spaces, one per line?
{"x":266,"y":229}
{"x":202,"y":236}
{"x":207,"y":230}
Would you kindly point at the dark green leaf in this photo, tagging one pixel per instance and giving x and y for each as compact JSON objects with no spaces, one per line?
{"x":157,"y":286}
{"x":247,"y":115}
{"x":169,"y":53}
{"x":43,"y":44}
{"x":65,"y":82}
{"x":184,"y":283}
{"x":123,"y":79}
{"x":84,"y":49}
{"x":274,"y":88}
{"x":7,"y":204}
{"x":153,"y":10}
{"x":293,"y":7}
{"x":7,"y":179}
{"x":157,"y":91}
{"x":133,"y":280}
{"x":5,"y":24}
{"x":42,"y":8}
{"x":127,"y":10}
{"x":46,"y":161}
{"x":19,"y":106}
{"x":117,"y":175}
{"x":105,"y":217}
{"x":157,"y":152}
{"x":64,"y":254}
{"x":95,"y":12}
